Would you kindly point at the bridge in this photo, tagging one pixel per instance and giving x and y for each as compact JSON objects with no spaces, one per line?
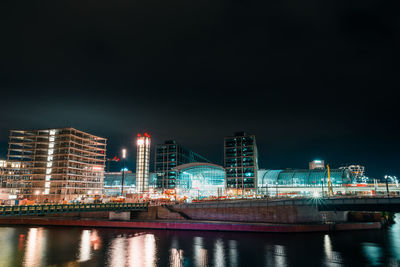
{"x":68,"y":208}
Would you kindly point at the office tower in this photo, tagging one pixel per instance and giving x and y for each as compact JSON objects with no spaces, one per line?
{"x":142,"y":163}
{"x":241,"y":163}
{"x":168,"y":156}
{"x":62,"y":163}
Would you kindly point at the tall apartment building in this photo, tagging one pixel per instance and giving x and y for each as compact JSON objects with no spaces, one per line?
{"x":168,"y":156}
{"x":241,"y":163}
{"x":62,"y":163}
{"x":143,"y":163}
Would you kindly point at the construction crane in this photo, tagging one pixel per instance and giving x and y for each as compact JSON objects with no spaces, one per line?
{"x":115,"y":159}
{"x":329,"y":181}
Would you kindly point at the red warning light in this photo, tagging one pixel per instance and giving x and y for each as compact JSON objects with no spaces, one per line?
{"x":139,"y":135}
{"x":146,"y":134}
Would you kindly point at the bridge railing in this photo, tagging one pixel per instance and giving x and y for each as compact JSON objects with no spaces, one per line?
{"x":66,"y":208}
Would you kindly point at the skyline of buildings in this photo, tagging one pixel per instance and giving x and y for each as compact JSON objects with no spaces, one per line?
{"x":64,"y":163}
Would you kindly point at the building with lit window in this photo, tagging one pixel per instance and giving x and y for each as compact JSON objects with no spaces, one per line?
{"x":197,"y":180}
{"x":143,"y":163}
{"x":168,"y":156}
{"x":241,"y":163}
{"x":10,"y":175}
{"x":112,"y":182}
{"x":316,"y":164}
{"x":62,"y":163}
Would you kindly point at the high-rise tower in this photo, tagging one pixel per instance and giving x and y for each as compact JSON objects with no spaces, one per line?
{"x":143,"y":163}
{"x":241,"y":163}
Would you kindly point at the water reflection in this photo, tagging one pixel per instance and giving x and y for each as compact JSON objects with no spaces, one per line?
{"x":275,"y":255}
{"x":219,"y":253}
{"x":233,"y":253}
{"x":138,"y":250}
{"x":90,"y":241}
{"x":332,"y":258}
{"x":176,"y":257}
{"x":394,"y":239}
{"x":6,"y":252}
{"x":21,"y":246}
{"x":84,"y":249}
{"x":199,"y":253}
{"x":35,"y":247}
{"x":373,"y":252}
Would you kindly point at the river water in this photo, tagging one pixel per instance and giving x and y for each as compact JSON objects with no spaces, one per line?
{"x":60,"y":246}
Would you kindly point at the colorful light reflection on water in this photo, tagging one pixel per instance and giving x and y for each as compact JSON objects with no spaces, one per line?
{"x":39,"y":246}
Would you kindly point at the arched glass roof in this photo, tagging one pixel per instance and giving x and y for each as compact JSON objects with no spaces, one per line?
{"x":303,"y":177}
{"x":200,"y":179}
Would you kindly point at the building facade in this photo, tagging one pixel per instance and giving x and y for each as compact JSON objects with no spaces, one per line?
{"x":168,"y":156}
{"x":270,"y":180}
{"x":316,"y":164}
{"x":143,"y":163}
{"x":112,"y":182}
{"x":198,"y":180}
{"x":241,"y":163}
{"x":11,"y":174}
{"x":62,"y":163}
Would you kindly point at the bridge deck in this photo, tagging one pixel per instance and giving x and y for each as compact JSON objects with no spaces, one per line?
{"x":66,"y":208}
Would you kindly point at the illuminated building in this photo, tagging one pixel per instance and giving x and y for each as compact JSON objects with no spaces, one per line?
{"x":142,"y":163}
{"x":168,"y":156}
{"x":357,"y":170}
{"x":302,"y":178}
{"x":241,"y":163}
{"x":200,"y":180}
{"x":112,"y":182}
{"x":317,"y":164}
{"x":10,"y":174}
{"x":62,"y":163}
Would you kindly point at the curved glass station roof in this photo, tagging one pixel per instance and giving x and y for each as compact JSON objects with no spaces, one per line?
{"x":304,"y":177}
{"x":200,"y":179}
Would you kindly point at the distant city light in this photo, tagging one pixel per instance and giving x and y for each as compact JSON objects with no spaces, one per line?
{"x":316,"y":195}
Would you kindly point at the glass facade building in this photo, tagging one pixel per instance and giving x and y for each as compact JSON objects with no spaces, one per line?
{"x":200,"y":180}
{"x":241,"y":163}
{"x":168,"y":156}
{"x":303,"y":178}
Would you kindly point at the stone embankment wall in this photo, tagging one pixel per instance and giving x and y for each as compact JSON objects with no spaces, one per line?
{"x":241,"y":211}
{"x":259,"y":212}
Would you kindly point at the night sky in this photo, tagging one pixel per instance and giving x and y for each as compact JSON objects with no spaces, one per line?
{"x":311,"y":79}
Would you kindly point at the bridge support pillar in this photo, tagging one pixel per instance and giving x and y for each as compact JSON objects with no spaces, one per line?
{"x":119,"y":216}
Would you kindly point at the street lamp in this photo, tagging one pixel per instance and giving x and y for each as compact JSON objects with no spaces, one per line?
{"x":387,"y":186}
{"x":322,"y":185}
{"x":276,"y":183}
{"x":123,"y":171}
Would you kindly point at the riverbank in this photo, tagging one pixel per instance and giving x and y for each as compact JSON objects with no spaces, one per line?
{"x":193,"y":225}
